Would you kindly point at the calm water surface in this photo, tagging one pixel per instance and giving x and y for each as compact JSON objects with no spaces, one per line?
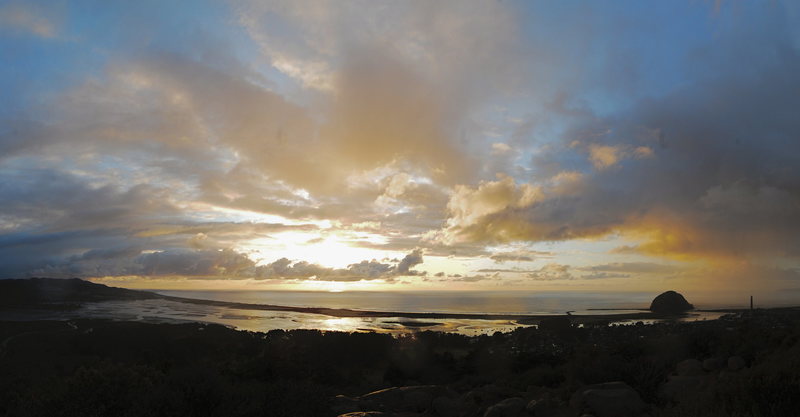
{"x":439,"y":302}
{"x":435,"y":301}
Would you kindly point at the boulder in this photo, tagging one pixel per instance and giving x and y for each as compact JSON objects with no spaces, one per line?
{"x":680,"y":387}
{"x":510,"y":407}
{"x":713,"y":364}
{"x":488,"y":394}
{"x":736,"y":363}
{"x":611,"y":399}
{"x":670,"y":302}
{"x":447,"y":407}
{"x":690,"y":367}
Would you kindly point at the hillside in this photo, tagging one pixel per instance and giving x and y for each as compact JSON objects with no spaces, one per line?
{"x":37,"y":291}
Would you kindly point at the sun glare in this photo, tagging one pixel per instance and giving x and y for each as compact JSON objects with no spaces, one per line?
{"x":331,"y":250}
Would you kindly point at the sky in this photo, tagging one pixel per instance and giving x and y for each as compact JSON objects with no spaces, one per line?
{"x":402,"y":145}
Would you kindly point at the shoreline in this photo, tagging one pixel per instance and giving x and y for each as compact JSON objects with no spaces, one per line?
{"x":72,"y":294}
{"x":520,"y":318}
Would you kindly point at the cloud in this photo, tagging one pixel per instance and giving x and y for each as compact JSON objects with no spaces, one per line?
{"x":707,"y":170}
{"x":604,"y":156}
{"x":551,"y":272}
{"x":456,"y":44}
{"x":473,"y":278}
{"x":605,"y":275}
{"x":510,"y":257}
{"x":639,"y":270}
{"x":470,"y":206}
{"x":441,"y":127}
{"x":213,"y":263}
{"x":364,"y":270}
{"x":555,"y":271}
{"x":607,"y":156}
{"x":518,"y":256}
{"x":409,"y":261}
{"x":635,"y":268}
{"x":27,"y":18}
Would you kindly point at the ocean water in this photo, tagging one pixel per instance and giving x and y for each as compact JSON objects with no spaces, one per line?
{"x":484,"y":302}
{"x":490,"y":302}
{"x":523,"y":303}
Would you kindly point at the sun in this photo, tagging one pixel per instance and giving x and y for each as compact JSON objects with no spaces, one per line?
{"x":333,"y":249}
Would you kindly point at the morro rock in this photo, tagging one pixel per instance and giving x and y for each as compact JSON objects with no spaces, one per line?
{"x":670,"y":302}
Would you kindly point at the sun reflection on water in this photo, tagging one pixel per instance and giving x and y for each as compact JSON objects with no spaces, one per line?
{"x":342,"y":324}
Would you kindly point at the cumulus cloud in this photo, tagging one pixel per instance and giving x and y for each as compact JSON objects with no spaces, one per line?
{"x":409,"y":261}
{"x":216,"y":263}
{"x":365,"y":270}
{"x":469,"y":206}
{"x":551,"y":272}
{"x":604,"y":156}
{"x":706,"y":170}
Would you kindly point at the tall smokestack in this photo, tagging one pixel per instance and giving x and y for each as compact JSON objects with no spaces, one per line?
{"x":751,"y":303}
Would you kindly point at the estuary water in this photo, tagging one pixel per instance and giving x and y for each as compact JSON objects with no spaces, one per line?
{"x":523,"y":303}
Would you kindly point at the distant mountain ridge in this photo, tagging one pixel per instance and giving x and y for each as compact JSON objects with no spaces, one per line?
{"x":33,"y":291}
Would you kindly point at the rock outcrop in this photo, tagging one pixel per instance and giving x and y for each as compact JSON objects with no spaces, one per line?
{"x":670,"y":302}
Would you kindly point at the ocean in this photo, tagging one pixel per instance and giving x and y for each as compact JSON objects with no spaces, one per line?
{"x":484,"y":302}
{"x":506,"y":302}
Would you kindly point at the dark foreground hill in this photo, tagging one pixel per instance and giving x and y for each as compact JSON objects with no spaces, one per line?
{"x":40,"y":291}
{"x":738,"y":366}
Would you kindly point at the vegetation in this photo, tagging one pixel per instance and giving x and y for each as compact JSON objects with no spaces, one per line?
{"x":99,"y":368}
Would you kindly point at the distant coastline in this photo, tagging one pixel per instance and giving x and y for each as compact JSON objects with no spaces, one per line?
{"x":57,"y":293}
{"x":343,"y":312}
